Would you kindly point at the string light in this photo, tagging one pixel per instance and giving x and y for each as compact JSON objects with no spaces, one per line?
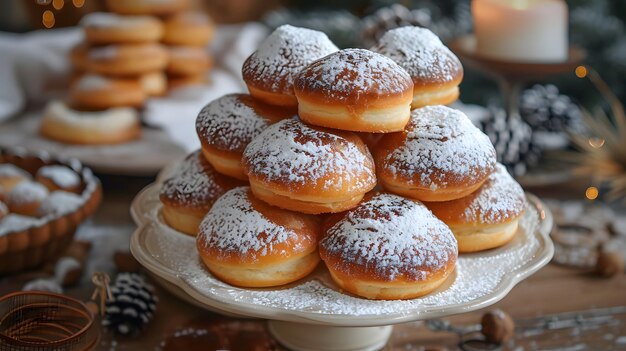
{"x":581,"y":71}
{"x":47,"y":19}
{"x":592,"y":193}
{"x":58,"y":4}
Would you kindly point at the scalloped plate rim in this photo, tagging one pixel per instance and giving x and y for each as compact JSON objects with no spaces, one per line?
{"x":544,"y":254}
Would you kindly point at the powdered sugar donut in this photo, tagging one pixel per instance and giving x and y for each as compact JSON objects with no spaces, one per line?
{"x":93,"y":92}
{"x":388,"y":247}
{"x":57,"y":177}
{"x":188,"y":60}
{"x":26,"y":197}
{"x":11,"y":175}
{"x":112,"y":126}
{"x":308,"y":169}
{"x":226,"y":125}
{"x":120,"y":59}
{"x":357,"y":90}
{"x":440,"y":156}
{"x":60,"y":203}
{"x":486,"y":218}
{"x":435,"y":70}
{"x":188,"y":29}
{"x":109,"y":28}
{"x":270,"y":71}
{"x":246,"y":242}
{"x":189,"y":194}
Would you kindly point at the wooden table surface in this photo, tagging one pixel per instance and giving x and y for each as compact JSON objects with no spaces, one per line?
{"x":181,"y":326}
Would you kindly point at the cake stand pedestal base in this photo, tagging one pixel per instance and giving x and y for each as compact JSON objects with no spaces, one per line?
{"x":305,"y":337}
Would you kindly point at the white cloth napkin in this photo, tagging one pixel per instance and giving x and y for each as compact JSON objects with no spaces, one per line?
{"x":35,"y":67}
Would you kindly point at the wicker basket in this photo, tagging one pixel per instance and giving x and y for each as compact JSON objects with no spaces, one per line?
{"x":37,"y":321}
{"x":29,"y":248}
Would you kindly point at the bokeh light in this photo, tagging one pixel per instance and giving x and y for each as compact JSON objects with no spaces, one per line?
{"x":581,"y":71}
{"x":592,"y":193}
{"x":58,"y":4}
{"x":47,"y":19}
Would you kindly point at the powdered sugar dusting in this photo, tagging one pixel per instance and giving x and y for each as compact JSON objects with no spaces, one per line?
{"x":479,"y":279}
{"x":60,"y":203}
{"x":8,"y":170}
{"x":393,"y":237}
{"x":421,"y":53}
{"x":108,"y":20}
{"x":60,"y":175}
{"x":351,"y":73}
{"x":293,"y":152}
{"x":109,"y":52}
{"x":234,"y":226}
{"x":3,"y":209}
{"x":194,"y":184}
{"x":90,"y":82}
{"x":499,"y":199}
{"x":441,"y":144}
{"x":27,"y":192}
{"x":283,"y":55}
{"x":228,"y":123}
{"x":16,"y":223}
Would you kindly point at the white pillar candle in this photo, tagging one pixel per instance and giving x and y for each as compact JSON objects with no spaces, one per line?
{"x":521,"y":30}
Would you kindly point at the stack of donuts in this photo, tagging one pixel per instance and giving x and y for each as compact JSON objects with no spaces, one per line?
{"x":347,"y":157}
{"x":139,"y":50}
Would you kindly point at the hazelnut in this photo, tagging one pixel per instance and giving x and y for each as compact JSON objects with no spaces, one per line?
{"x":609,"y":264}
{"x":497,"y":326}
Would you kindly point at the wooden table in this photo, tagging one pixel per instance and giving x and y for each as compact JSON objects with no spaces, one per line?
{"x":552,"y":290}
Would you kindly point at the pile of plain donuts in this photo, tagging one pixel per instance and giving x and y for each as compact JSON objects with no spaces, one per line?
{"x":140,"y":49}
{"x":345,"y":156}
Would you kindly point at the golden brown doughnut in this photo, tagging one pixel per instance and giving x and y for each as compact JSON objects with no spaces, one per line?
{"x":109,"y":28}
{"x":388,"y":248}
{"x":188,"y":29}
{"x":440,"y":156}
{"x":10,"y":176}
{"x":308,"y":169}
{"x":246,"y":242}
{"x":188,"y":61}
{"x":189,"y":194}
{"x":270,"y":71}
{"x":488,"y":217}
{"x":25,"y":198}
{"x":94,"y":92}
{"x":58,"y":177}
{"x":178,"y":82}
{"x":435,"y":70}
{"x":357,"y":90}
{"x":154,"y":83}
{"x":147,"y":7}
{"x":226,"y":126}
{"x":112,"y":126}
{"x":120,"y":59}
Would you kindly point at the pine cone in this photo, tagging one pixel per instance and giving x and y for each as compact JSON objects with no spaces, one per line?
{"x":132,"y":306}
{"x":394,"y":16}
{"x":513,"y":141}
{"x":544,"y":109}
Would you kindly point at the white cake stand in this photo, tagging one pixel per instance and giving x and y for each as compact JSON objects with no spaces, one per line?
{"x":312,"y":314}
